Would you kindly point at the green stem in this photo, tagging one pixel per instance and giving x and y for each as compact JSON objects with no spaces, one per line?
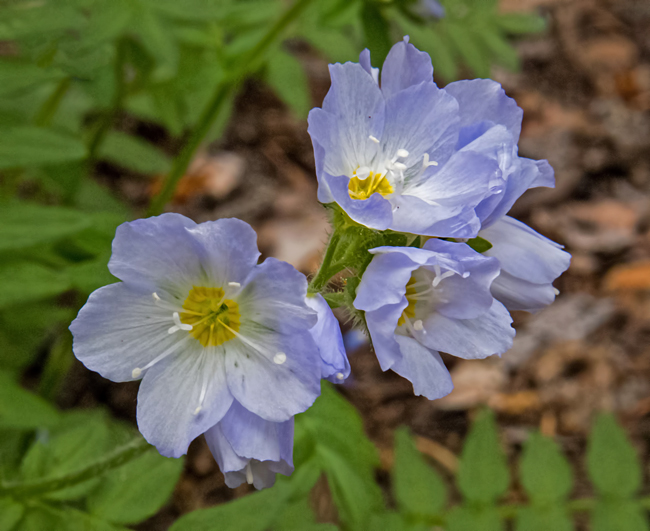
{"x":51,"y":104}
{"x":212,"y":110}
{"x":326,"y":270}
{"x":119,"y":457}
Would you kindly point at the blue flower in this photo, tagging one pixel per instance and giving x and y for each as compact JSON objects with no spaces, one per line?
{"x":205,"y":327}
{"x":491,"y":124}
{"x":418,"y":302}
{"x":335,"y":366}
{"x":388,"y":156}
{"x":251,"y":449}
{"x":432,"y":8}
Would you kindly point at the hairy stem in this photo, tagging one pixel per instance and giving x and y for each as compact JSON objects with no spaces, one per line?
{"x":119,"y":457}
{"x":326,"y":270}
{"x":215,"y":105}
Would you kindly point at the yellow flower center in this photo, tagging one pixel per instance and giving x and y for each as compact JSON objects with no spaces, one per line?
{"x":409,"y":311}
{"x":214,"y":318}
{"x":364,"y":188}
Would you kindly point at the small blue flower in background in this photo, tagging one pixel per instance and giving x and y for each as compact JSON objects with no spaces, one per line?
{"x":207,"y":329}
{"x":388,"y":156}
{"x":421,"y":301}
{"x":335,"y":366}
{"x":491,"y":124}
{"x":432,"y":8}
{"x":250,"y":449}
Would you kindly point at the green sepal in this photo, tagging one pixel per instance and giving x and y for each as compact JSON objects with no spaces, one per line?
{"x":480,"y":245}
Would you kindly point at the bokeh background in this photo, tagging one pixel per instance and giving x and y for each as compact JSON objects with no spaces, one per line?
{"x":125,"y":90}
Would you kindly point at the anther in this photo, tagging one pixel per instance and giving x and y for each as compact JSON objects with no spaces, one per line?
{"x":234,"y":284}
{"x":280,"y":358}
{"x":402,"y":153}
{"x":197,"y":410}
{"x":374,"y":139}
{"x":426,"y":162}
{"x":556,"y":291}
{"x":155,"y":296}
{"x":178,"y":325}
{"x":136,"y":373}
{"x":399,"y":166}
{"x":417,"y":325}
{"x":340,"y":376}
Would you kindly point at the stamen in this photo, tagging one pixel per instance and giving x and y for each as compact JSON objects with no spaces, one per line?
{"x":374,"y":139}
{"x":178,"y":325}
{"x":417,"y":325}
{"x":280,"y":358}
{"x":362,"y":172}
{"x":249,"y":474}
{"x":399,"y":166}
{"x":139,"y":370}
{"x":440,"y":278}
{"x":234,"y":284}
{"x":426,"y":162}
{"x":204,"y":388}
{"x":556,"y":291}
{"x":402,"y":153}
{"x":340,"y":376}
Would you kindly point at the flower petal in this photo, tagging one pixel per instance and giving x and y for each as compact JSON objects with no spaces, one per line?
{"x":381,"y":326}
{"x":119,"y":329}
{"x":404,"y":67}
{"x":524,"y":253}
{"x":484,"y":336}
{"x":252,"y":437}
{"x":275,"y":388}
{"x":335,"y":366}
{"x":364,"y":61}
{"x":170,"y":394}
{"x":374,"y":212}
{"x":485,"y":100}
{"x":156,"y":252}
{"x":423,"y":368}
{"x":518,"y":294}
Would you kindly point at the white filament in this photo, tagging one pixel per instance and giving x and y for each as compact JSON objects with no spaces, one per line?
{"x":135,"y":373}
{"x":374,"y":139}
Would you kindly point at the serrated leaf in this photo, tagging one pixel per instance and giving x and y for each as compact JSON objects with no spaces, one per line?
{"x":480,"y":245}
{"x":10,"y":513}
{"x":26,"y":225}
{"x":470,"y":519}
{"x":467,"y":47}
{"x":23,"y":282}
{"x":501,"y":49}
{"x":482,"y":471}
{"x":137,"y":490}
{"x":287,"y":77}
{"x":21,"y":409}
{"x":547,"y":518}
{"x":134,"y":153}
{"x":255,"y":512}
{"x":612,"y":461}
{"x":619,"y":515}
{"x":77,"y":441}
{"x":545,"y":472}
{"x":417,"y":487}
{"x":34,"y":146}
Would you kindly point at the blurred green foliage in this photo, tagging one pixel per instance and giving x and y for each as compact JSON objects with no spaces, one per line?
{"x":80,"y":81}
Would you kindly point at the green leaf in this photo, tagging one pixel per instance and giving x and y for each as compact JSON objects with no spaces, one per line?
{"x":612,"y":461}
{"x":521,"y":23}
{"x":480,"y":245}
{"x":621,"y":515}
{"x":23,"y":282}
{"x":287,"y":77}
{"x":482,"y":471}
{"x":418,"y":489}
{"x":137,"y":490}
{"x":34,"y":146}
{"x":474,"y":519}
{"x":43,"y":517}
{"x":545,"y":472}
{"x":79,"y":440}
{"x":255,"y":512}
{"x":299,"y":516}
{"x":134,"y":153}
{"x":10,"y":513}
{"x":472,"y":52}
{"x":16,"y":76}
{"x":547,"y":518}
{"x":376,"y":31}
{"x":26,"y":225}
{"x":500,"y":48}
{"x":20,"y":409}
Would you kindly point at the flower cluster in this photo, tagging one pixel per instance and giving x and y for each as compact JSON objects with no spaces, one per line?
{"x":442,"y":164}
{"x":234,"y":349}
